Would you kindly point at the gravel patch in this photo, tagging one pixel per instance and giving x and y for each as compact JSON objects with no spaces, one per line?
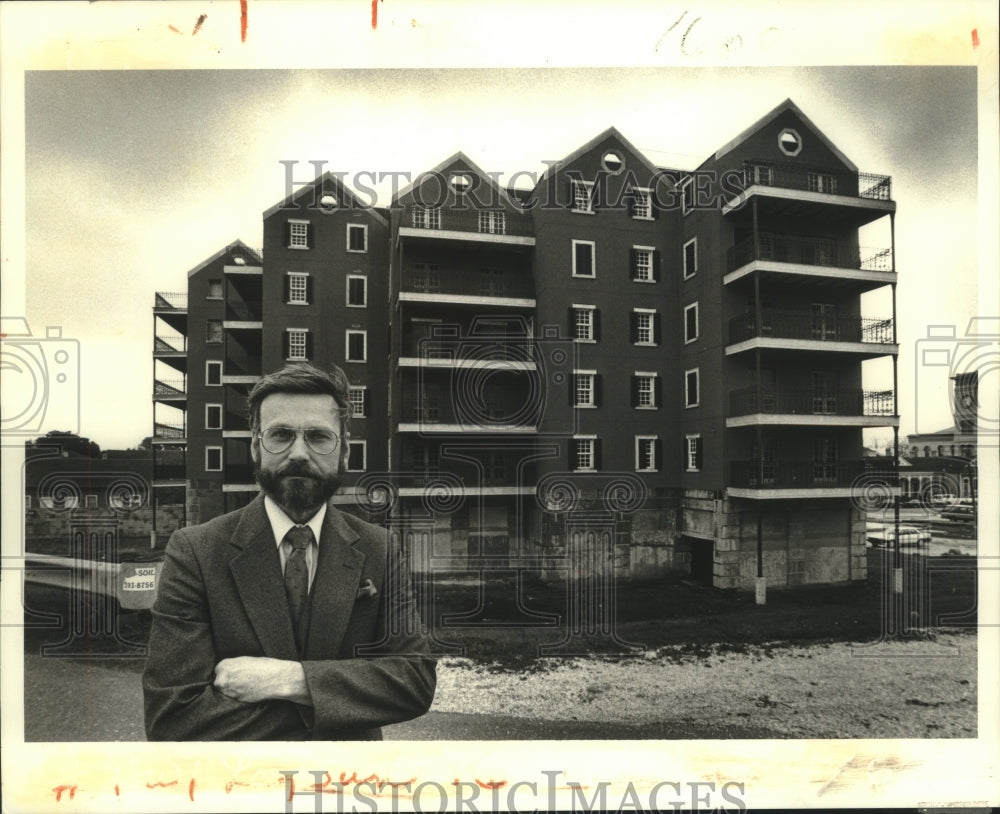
{"x":906,"y":689}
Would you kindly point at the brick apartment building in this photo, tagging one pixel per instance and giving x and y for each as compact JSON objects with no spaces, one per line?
{"x":627,"y":370}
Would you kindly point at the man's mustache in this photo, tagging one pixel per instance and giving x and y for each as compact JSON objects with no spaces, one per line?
{"x":298,"y":470}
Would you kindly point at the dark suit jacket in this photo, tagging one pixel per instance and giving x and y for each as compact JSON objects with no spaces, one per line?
{"x":221,"y":594}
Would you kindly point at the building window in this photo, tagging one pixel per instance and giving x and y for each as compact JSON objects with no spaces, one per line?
{"x":582,"y":196}
{"x":426,"y":277}
{"x":822,"y":182}
{"x":213,"y":459}
{"x":645,"y":327}
{"x":691,"y":322}
{"x":213,"y":374}
{"x":692,"y":453}
{"x":790,"y":142}
{"x":687,"y":195}
{"x":358,"y":397}
{"x":642,"y":204}
{"x":761,"y":174}
{"x":647,"y":453}
{"x":91,"y":502}
{"x":356,"y":456}
{"x":298,"y":345}
{"x":645,"y":390}
{"x":584,"y":453}
{"x":645,"y":264}
{"x":583,"y":258}
{"x":298,"y":288}
{"x":357,"y":237}
{"x":298,"y":234}
{"x":493,"y":222}
{"x":357,"y":346}
{"x":213,"y":416}
{"x":213,"y":331}
{"x":427,"y":217}
{"x":692,"y":389}
{"x":357,"y":291}
{"x":491,"y":282}
{"x":214,"y":290}
{"x":825,"y":460}
{"x":583,"y":323}
{"x":585,"y":383}
{"x":690,"y":257}
{"x":824,"y":321}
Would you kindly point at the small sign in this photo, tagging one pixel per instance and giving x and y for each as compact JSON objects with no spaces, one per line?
{"x":137,"y":583}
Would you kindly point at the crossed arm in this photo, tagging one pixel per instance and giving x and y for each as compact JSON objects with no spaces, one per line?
{"x":191,"y":694}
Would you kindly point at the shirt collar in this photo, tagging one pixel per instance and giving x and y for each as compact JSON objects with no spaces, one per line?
{"x":281,"y":522}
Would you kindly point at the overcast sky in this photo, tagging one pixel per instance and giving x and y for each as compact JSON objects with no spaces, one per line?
{"x":135,"y":177}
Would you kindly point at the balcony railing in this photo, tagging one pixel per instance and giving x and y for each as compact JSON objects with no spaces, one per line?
{"x":808,"y":252}
{"x":806,"y":325}
{"x":478,"y":221}
{"x":469,"y":283}
{"x":816,"y":179}
{"x":168,"y":389}
{"x":795,"y":475}
{"x":171,"y":301}
{"x":245,"y":367}
{"x":170,"y":344}
{"x":169,"y":472}
{"x":168,"y":431}
{"x":811,"y":402}
{"x":486,"y":350}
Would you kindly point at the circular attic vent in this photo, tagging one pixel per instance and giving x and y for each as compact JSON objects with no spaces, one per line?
{"x":328,"y":201}
{"x":612,"y":162}
{"x":790,"y":142}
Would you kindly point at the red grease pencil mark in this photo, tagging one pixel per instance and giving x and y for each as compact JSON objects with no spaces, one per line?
{"x":199,"y":23}
{"x":491,"y":784}
{"x":975,"y":37}
{"x":191,"y":789}
{"x":243,"y":20}
{"x":174,"y":28}
{"x":374,"y":14}
{"x":231,"y":783}
{"x":60,"y":789}
{"x":118,"y":791}
{"x":160,"y":785}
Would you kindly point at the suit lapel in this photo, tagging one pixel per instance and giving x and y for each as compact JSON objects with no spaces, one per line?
{"x":256,"y":569}
{"x":335,"y":587}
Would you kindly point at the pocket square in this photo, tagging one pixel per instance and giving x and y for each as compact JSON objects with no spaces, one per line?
{"x":367,"y":589}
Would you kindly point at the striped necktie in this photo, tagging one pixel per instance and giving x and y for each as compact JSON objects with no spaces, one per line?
{"x":297,"y":580}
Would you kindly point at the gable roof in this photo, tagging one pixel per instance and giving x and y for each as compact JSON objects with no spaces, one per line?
{"x":227,"y":249}
{"x":327,"y":181}
{"x":611,"y":132}
{"x":473,"y":167}
{"x":765,"y":120}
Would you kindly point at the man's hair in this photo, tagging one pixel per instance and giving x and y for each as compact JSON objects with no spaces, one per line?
{"x":304,"y":378}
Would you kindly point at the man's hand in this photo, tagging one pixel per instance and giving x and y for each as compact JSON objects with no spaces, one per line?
{"x":256,"y":678}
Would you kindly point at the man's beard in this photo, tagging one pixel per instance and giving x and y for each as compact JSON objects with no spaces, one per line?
{"x":296,"y":487}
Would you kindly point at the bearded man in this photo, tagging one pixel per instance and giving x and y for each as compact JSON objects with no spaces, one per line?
{"x":287,"y":619}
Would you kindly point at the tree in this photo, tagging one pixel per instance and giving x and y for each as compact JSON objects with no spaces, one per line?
{"x":70,"y":442}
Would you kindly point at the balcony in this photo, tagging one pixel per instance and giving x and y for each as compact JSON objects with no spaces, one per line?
{"x":797,"y":479}
{"x":172,"y":350}
{"x":865,"y":337}
{"x":793,"y":189}
{"x":170,"y":391}
{"x":810,"y":407}
{"x":238,"y":310}
{"x":169,"y":434}
{"x":172,"y":308}
{"x":165,"y":475}
{"x":789,"y":257}
{"x":468,"y":287}
{"x":514,"y":354}
{"x":468,"y":419}
{"x":499,"y":227}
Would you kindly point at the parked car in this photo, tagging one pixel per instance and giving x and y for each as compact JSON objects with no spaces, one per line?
{"x":908,"y":535}
{"x":960,"y":513}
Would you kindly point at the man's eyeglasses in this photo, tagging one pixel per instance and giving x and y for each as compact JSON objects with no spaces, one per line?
{"x":279,"y":439}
